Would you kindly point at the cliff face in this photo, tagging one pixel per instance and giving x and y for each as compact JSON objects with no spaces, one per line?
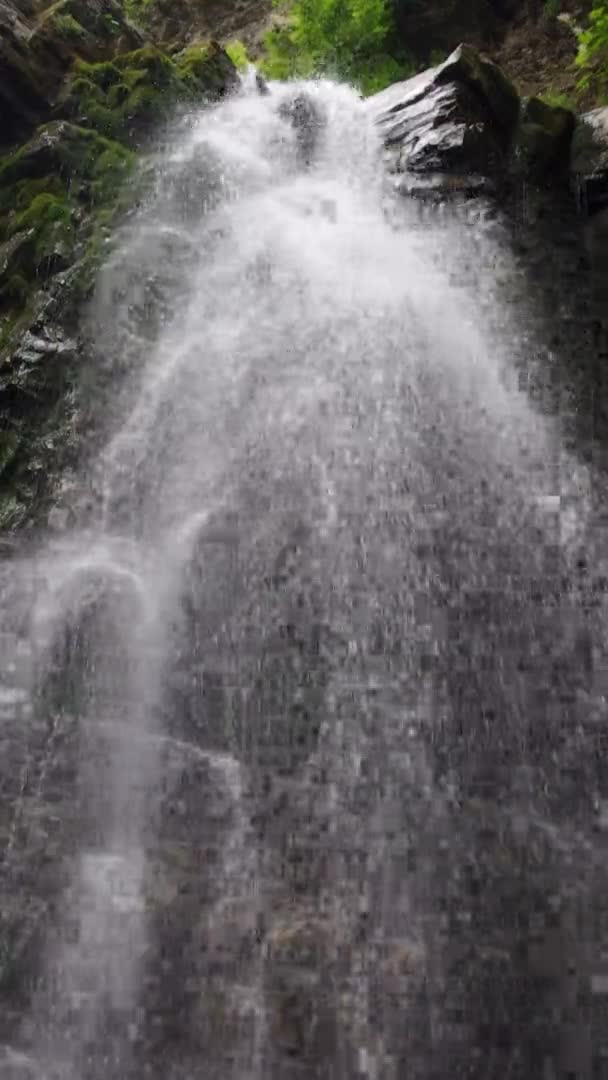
{"x":37,"y":48}
{"x":80,"y":91}
{"x":443,"y":24}
{"x":222,"y":19}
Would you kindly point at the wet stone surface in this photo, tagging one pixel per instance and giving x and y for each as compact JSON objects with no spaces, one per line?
{"x":304,"y":765}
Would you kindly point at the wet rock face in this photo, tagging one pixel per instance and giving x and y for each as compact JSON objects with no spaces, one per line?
{"x":37,"y":49}
{"x":452,"y":121}
{"x":589,"y":160}
{"x":61,"y":191}
{"x":445,"y":22}
{"x":22,"y":102}
{"x":461,"y":127}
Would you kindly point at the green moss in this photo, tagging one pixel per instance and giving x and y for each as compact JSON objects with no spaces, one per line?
{"x":11,"y":511}
{"x":139,"y":89}
{"x":69,"y":28}
{"x":101,"y":75}
{"x":74,"y":21}
{"x":138,"y":10}
{"x":557,"y":99}
{"x":44,"y":210}
{"x":160,"y":69}
{"x":135,"y":90}
{"x":112,"y":169}
{"x":543,"y":140}
{"x":118,"y":95}
{"x":9,"y":444}
{"x":48,"y":241}
{"x":237,"y":52}
{"x":44,"y":220}
{"x":57,"y":150}
{"x":194,"y":61}
{"x":60,"y":197}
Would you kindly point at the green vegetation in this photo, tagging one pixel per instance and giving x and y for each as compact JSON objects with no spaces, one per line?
{"x":60,"y":192}
{"x":237,"y":52}
{"x":137,"y":90}
{"x":353,"y":40}
{"x":592,"y":56}
{"x":558,"y":100}
{"x":69,"y":28}
{"x":137,"y":10}
{"x":55,"y":193}
{"x":80,"y":26}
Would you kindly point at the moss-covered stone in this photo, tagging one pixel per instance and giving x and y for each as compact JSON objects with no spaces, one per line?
{"x":90,"y":28}
{"x":36,"y":52}
{"x":9,"y":444}
{"x":60,"y":195}
{"x":51,"y":191}
{"x":128,"y":96}
{"x":543,"y":140}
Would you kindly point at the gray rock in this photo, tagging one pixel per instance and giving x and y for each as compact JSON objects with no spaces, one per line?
{"x":36,"y":51}
{"x":457,"y":119}
{"x":589,"y":160}
{"x":11,"y":249}
{"x":542,"y":145}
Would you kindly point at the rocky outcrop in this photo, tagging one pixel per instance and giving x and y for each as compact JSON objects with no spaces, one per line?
{"x":450,"y":125}
{"x":543,"y":139}
{"x":60,"y":192}
{"x":37,"y":50}
{"x":461,"y":127}
{"x":589,"y":163}
{"x":172,"y":20}
{"x":443,"y":23}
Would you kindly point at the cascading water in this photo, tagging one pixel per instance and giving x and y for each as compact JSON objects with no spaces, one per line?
{"x":317,"y":691}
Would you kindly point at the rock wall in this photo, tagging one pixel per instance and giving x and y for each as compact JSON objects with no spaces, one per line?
{"x":84,"y":90}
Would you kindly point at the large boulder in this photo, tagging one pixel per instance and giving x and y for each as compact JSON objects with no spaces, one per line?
{"x":461,"y":127}
{"x":452,"y":123}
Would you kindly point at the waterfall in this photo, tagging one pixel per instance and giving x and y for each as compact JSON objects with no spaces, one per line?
{"x":304,"y":710}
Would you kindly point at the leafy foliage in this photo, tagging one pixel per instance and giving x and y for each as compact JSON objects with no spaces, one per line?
{"x":592,"y":56}
{"x":237,"y":52}
{"x":345,"y":39}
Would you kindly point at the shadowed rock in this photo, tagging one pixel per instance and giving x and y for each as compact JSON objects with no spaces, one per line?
{"x":307,"y":121}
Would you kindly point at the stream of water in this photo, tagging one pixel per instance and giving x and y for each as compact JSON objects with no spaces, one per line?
{"x":309,"y":703}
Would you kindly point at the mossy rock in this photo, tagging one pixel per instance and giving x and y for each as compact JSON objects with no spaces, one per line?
{"x":67,"y":151}
{"x":60,"y":196}
{"x":51,"y":191}
{"x":9,"y":444}
{"x":94,"y":29}
{"x":136,"y":91}
{"x":543,"y":141}
{"x":37,"y":52}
